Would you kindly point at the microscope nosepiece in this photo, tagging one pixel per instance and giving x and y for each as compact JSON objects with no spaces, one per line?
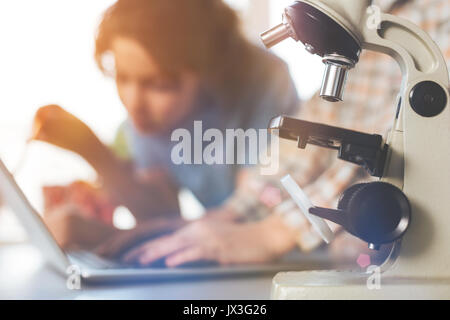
{"x":336,"y":70}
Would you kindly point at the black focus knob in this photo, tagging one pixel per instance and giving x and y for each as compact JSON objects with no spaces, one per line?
{"x":378,"y":213}
{"x":348,"y":194}
{"x":375,"y":212}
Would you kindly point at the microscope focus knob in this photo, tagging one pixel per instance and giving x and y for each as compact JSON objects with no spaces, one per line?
{"x":377,"y":212}
{"x":348,"y":194}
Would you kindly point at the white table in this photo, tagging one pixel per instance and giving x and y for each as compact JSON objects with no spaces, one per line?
{"x":24,"y":275}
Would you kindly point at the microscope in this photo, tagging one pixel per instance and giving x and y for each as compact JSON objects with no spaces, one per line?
{"x":409,"y":206}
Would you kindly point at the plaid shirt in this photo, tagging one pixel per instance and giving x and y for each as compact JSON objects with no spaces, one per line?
{"x":369,"y":106}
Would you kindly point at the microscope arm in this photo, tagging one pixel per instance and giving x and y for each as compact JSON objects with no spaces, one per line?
{"x":420,"y":60}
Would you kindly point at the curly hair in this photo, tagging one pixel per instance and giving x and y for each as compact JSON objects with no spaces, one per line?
{"x":203,"y":36}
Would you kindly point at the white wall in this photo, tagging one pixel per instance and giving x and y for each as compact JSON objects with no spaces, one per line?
{"x":258,"y":16}
{"x":46,"y":56}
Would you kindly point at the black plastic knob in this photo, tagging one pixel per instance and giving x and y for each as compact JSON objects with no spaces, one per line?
{"x":378,"y":213}
{"x":428,"y":99}
{"x":348,"y":194}
{"x":375,"y":212}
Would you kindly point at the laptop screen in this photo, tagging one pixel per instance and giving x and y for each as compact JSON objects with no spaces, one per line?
{"x":38,"y":233}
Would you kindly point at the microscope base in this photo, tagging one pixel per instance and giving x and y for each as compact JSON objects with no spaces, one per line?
{"x":335,"y":285}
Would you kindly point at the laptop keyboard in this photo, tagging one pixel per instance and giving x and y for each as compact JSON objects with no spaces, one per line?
{"x":94,"y":261}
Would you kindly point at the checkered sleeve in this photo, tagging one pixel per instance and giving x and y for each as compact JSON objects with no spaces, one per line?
{"x":257,"y":195}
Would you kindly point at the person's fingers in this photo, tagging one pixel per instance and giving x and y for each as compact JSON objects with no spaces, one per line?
{"x":53,"y":196}
{"x":51,"y":121}
{"x":116,"y":244}
{"x":156,"y":228}
{"x":41,"y":121}
{"x":191,"y":254}
{"x":47,"y":111}
{"x":104,"y":249}
{"x":134,"y":254}
{"x":124,"y":240}
{"x":156,"y":249}
{"x":38,"y":132}
{"x":61,"y":210}
{"x":63,"y":223}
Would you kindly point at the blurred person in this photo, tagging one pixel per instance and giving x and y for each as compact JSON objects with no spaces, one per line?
{"x":174,"y":62}
{"x":256,"y":230}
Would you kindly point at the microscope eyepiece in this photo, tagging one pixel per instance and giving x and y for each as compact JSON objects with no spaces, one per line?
{"x":275,"y":35}
{"x":278,"y":33}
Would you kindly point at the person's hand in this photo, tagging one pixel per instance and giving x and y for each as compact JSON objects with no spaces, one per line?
{"x":91,"y":200}
{"x":123,"y":240}
{"x":219,"y":241}
{"x":222,"y":214}
{"x":54,"y":125}
{"x":73,"y":230}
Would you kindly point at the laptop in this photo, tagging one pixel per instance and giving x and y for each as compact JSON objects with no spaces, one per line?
{"x":93,"y":268}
